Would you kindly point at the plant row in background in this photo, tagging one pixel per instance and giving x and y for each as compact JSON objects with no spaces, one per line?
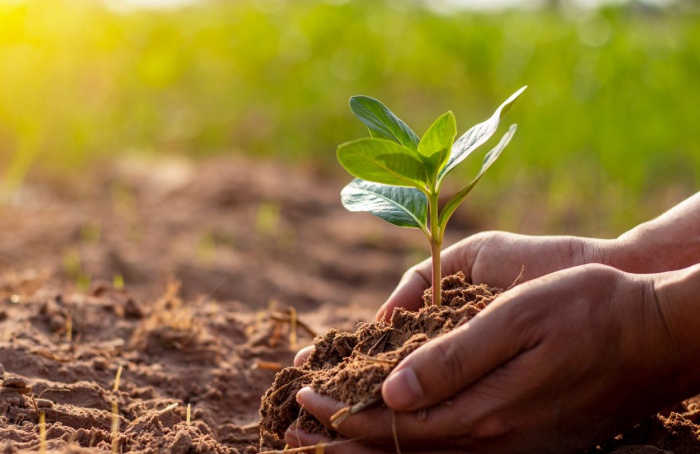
{"x":611,"y":108}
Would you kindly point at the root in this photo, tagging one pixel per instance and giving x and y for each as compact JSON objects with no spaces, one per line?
{"x":395,"y":432}
{"x":318,"y":448}
{"x":517,"y":278}
{"x":287,"y":318}
{"x":286,"y":385}
{"x":344,"y":413}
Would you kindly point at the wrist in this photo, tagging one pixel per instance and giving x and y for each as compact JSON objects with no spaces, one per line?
{"x":653,"y":248}
{"x":677,"y":297}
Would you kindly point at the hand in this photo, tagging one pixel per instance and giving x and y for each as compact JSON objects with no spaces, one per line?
{"x":497,"y":259}
{"x":553,"y":365}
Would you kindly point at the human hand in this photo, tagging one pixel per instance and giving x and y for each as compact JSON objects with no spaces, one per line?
{"x":498,"y":259}
{"x":553,"y":365}
{"x":494,"y":258}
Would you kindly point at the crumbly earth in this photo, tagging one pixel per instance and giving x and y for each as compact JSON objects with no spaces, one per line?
{"x":213,"y":255}
{"x":351,"y":367}
{"x":188,"y":278}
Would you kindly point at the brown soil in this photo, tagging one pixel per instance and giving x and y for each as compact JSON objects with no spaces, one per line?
{"x":214,"y":256}
{"x":351,"y":367}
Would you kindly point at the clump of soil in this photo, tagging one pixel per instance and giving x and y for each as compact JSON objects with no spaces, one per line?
{"x":351,"y":367}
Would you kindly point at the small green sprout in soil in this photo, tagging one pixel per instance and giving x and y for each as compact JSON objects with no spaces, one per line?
{"x":399,"y":175}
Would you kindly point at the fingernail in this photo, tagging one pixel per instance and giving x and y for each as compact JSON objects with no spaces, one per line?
{"x":402,"y":389}
{"x":302,"y":393}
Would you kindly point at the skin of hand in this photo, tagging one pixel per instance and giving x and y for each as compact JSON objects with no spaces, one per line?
{"x":553,"y":365}
{"x":499,"y":259}
{"x":495,"y":258}
{"x":669,"y":242}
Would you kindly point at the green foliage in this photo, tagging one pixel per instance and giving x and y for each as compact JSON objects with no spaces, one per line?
{"x":400,"y":182}
{"x":411,"y":168}
{"x":614,"y":99}
{"x":382,"y":123}
{"x":404,"y":207}
{"x":382,"y":161}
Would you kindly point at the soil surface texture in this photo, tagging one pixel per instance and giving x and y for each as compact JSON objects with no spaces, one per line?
{"x":146,"y":287}
{"x":351,"y":367}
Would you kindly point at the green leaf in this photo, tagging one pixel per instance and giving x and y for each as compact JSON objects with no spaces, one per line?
{"x":477,"y":135}
{"x":405,"y":207}
{"x":382,"y":161}
{"x":434,"y":148}
{"x":382,"y":123}
{"x":489,"y":159}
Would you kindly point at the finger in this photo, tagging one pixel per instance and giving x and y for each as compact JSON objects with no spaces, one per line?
{"x":441,"y":368}
{"x":302,"y":355}
{"x":409,"y":293}
{"x":375,"y":425}
{"x":317,"y":443}
{"x":442,"y":427}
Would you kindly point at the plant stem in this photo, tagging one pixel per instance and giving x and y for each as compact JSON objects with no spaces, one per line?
{"x":435,"y":246}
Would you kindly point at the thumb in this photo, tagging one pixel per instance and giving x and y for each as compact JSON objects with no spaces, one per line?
{"x":409,"y":293}
{"x":443,"y":367}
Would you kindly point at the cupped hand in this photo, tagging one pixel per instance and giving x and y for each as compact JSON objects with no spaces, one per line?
{"x":553,"y":365}
{"x":498,"y":259}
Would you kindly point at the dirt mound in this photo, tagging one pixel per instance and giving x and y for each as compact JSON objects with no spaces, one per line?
{"x":351,"y":367}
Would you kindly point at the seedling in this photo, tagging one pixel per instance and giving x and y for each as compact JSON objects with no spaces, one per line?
{"x":399,"y":175}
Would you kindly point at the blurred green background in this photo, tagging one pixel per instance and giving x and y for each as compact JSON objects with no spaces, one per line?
{"x":607,"y":137}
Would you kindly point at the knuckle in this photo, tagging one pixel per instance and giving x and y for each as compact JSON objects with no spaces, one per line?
{"x":603,"y":275}
{"x":415,"y":273}
{"x":489,"y":427}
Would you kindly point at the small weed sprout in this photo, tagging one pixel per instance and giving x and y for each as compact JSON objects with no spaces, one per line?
{"x":399,"y":175}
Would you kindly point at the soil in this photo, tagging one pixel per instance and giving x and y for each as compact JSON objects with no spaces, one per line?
{"x":144,"y":286}
{"x":351,"y":367}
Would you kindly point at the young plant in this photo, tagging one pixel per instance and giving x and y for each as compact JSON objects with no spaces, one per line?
{"x":399,"y":175}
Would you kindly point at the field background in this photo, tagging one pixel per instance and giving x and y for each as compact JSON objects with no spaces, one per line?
{"x":608,"y":129}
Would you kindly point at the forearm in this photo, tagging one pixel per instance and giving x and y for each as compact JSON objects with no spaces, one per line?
{"x":669,"y":242}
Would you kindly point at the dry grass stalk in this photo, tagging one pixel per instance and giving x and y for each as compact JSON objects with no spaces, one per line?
{"x":189,"y":414}
{"x":170,"y":407}
{"x":293,"y":328}
{"x":276,"y":334}
{"x":286,"y":385}
{"x":42,"y":432}
{"x":281,"y":317}
{"x":269,"y":365}
{"x":117,"y":378}
{"x":69,"y":328}
{"x":319,"y":448}
{"x":344,"y":413}
{"x":373,"y":359}
{"x":115,"y":427}
{"x":394,"y":432}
